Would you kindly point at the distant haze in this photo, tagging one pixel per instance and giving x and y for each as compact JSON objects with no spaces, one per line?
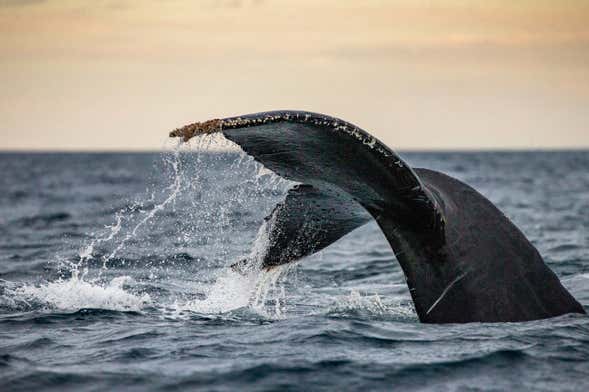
{"x":448,"y":74}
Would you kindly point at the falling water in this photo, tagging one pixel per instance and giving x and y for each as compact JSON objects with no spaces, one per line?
{"x":88,"y":281}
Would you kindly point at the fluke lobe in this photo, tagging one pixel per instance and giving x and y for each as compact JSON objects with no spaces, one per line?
{"x":463,"y":259}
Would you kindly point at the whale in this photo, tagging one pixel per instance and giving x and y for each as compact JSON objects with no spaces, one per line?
{"x":463,"y":259}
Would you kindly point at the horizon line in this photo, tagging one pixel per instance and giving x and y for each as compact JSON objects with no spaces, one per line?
{"x":406,"y":150}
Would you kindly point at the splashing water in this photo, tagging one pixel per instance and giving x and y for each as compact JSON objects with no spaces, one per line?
{"x":81,"y":291}
{"x":252,"y":287}
{"x":173,"y":189}
{"x":75,"y":293}
{"x":262,"y":292}
{"x":94,"y":283}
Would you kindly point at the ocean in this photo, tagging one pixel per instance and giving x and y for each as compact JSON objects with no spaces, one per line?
{"x":114,"y":276}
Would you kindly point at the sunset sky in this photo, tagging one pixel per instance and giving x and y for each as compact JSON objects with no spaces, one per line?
{"x":448,"y":74}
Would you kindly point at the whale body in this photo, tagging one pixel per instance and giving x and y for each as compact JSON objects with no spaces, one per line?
{"x":463,"y":259}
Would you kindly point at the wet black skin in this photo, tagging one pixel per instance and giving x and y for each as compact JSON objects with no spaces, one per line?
{"x":463,"y":259}
{"x":490,"y":271}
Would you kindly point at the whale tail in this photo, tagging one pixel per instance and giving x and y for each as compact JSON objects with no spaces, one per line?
{"x":463,"y":259}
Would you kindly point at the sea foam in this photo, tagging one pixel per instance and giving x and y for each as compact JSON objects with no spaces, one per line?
{"x":75,"y":293}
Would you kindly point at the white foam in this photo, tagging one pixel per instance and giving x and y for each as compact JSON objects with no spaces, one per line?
{"x":76,"y":293}
{"x":232,"y":290}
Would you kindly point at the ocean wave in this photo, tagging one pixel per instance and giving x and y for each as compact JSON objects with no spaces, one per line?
{"x":42,"y":219}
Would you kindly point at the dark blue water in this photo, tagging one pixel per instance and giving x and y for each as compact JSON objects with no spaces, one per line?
{"x":113,"y":275}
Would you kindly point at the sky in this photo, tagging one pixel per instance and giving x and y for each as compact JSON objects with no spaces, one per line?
{"x":417,"y":74}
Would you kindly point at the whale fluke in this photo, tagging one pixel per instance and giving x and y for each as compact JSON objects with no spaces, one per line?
{"x":463,"y":259}
{"x":308,"y":220}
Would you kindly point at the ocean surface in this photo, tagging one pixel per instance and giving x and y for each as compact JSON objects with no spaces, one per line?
{"x":114,"y":276}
